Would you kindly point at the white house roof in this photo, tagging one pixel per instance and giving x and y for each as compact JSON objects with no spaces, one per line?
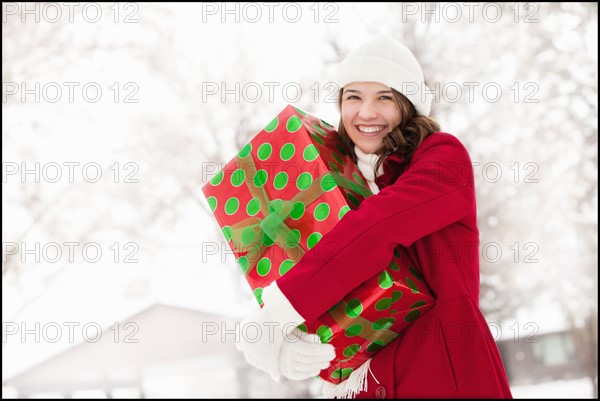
{"x":158,"y":335}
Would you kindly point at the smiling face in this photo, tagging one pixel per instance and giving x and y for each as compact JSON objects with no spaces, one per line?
{"x":369,"y":112}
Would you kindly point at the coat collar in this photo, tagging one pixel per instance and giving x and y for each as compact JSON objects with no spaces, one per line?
{"x":393,"y":167}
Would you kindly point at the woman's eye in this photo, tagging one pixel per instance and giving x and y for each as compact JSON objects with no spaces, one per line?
{"x":385,"y":97}
{"x":350,"y":97}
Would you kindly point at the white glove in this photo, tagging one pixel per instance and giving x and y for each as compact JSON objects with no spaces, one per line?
{"x":260,"y":339}
{"x":305,"y":356}
{"x":261,"y":335}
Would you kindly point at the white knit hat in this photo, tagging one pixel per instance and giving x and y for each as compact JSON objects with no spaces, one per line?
{"x":385,"y":60}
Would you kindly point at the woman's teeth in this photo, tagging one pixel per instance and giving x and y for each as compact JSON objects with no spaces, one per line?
{"x":370,"y":129}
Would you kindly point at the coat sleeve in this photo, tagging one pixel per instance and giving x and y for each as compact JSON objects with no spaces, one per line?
{"x":434,"y":192}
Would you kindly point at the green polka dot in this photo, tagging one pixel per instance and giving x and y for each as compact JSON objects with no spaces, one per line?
{"x":302,"y":327}
{"x":216,"y":180}
{"x":317,"y":139}
{"x":345,"y":209}
{"x":281,"y":180}
{"x":253,"y":207}
{"x":237,"y":178}
{"x":272,"y":126}
{"x":232,"y":205}
{"x":313,"y":239}
{"x":351,"y":350}
{"x":227,"y":232}
{"x":212,"y":202}
{"x":287,"y":151}
{"x":341,"y":373}
{"x":318,"y":128}
{"x":285,"y":266}
{"x":415,"y":273}
{"x":245,"y":151}
{"x":325,"y":333}
{"x":334,"y":167}
{"x":383,"y":304}
{"x":304,"y":181}
{"x":358,"y":178}
{"x":293,"y":124}
{"x":394,"y":266}
{"x":396,"y":252}
{"x":418,"y":304}
{"x":354,"y":308}
{"x":300,"y":111}
{"x":321,"y":211}
{"x":385,"y":280}
{"x":412,"y":315}
{"x":352,"y":198}
{"x":292,"y":238}
{"x":263,"y":267}
{"x":264,"y":151}
{"x":412,"y":285}
{"x":297,"y":210}
{"x":337,"y":158}
{"x":258,"y":295}
{"x":384,"y":323}
{"x":375,"y":346}
{"x":326,"y":124}
{"x":260,"y":178}
{"x":396,"y":295}
{"x":243,"y":262}
{"x":310,"y":153}
{"x":328,"y":183}
{"x":248,"y":235}
{"x":354,"y":330}
{"x":341,"y":149}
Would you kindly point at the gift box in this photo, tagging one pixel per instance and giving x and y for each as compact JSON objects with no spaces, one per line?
{"x":282,"y":192}
{"x":275,"y":200}
{"x":372,"y":315}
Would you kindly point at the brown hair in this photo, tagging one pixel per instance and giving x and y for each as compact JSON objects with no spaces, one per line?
{"x":404,"y":139}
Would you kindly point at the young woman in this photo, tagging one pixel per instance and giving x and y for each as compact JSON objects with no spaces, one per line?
{"x":426,"y":203}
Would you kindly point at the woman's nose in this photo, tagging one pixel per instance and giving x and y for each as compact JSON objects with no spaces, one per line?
{"x":367,"y":111}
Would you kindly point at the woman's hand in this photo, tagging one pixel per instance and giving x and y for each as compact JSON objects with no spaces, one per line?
{"x":261,"y":335}
{"x":303,"y":355}
{"x":260,"y":338}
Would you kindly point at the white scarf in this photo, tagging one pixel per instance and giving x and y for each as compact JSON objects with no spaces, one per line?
{"x":357,"y":381}
{"x":366,"y":165}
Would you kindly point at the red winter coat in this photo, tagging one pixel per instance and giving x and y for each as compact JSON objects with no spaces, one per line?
{"x":429,"y":209}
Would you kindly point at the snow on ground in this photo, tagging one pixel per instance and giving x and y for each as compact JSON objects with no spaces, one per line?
{"x":577,"y":388}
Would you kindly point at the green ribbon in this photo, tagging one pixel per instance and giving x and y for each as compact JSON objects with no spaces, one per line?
{"x":256,"y":234}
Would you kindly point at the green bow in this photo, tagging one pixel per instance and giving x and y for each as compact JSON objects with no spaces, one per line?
{"x":256,"y":234}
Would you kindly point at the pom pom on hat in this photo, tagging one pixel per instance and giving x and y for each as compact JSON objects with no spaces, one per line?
{"x":385,"y":60}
